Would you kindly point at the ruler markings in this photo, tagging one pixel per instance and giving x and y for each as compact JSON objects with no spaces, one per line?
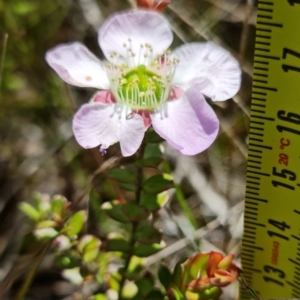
{"x":256,"y":224}
{"x":247,"y":241}
{"x":263,"y":50}
{"x":260,"y":146}
{"x":254,"y":150}
{"x":262,"y":118}
{"x":259,"y":173}
{"x":261,"y":75}
{"x":253,"y":208}
{"x":263,"y":29}
{"x":252,"y":187}
{"x":252,"y":193}
{"x":297,"y":211}
{"x":265,"y":9}
{"x":262,"y":69}
{"x":251,"y":182}
{"x":264,"y":88}
{"x":265,"y":17}
{"x":293,"y":261}
{"x":258,"y":105}
{"x":297,"y":288}
{"x":256,"y":156}
{"x":253,"y":177}
{"x":255,"y":161}
{"x":264,"y":36}
{"x":249,"y":264}
{"x":257,"y":199}
{"x":261,"y":81}
{"x":270,"y":24}
{"x":257,"y":140}
{"x":267,"y":56}
{"x":251,"y":213}
{"x":260,"y":61}
{"x":265,"y":44}
{"x":265,"y":2}
{"x":295,"y":237}
{"x":257,"y":134}
{"x":259,"y":111}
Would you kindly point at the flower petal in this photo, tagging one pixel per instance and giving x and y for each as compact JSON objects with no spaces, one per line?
{"x":76,"y":65}
{"x":141,"y":27}
{"x":212,"y":66}
{"x":188,"y":124}
{"x":101,"y":124}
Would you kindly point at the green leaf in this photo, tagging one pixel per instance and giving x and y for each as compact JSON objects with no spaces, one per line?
{"x":67,"y":261}
{"x":128,"y":187}
{"x":127,"y":175}
{"x":152,"y":150}
{"x":149,"y":162}
{"x":145,"y":284}
{"x":147,"y":234}
{"x":58,"y":204}
{"x":178,"y":295}
{"x":89,"y":246}
{"x":75,"y":224}
{"x":142,"y":250}
{"x":178,"y":272}
{"x":115,"y":210}
{"x":135,"y":212}
{"x":135,"y":268}
{"x":129,"y":290}
{"x":154,"y":202}
{"x":45,"y":233}
{"x":152,"y":137}
{"x":158,"y":183}
{"x":155,"y":295}
{"x":47,"y":224}
{"x":116,"y":242}
{"x":99,"y":297}
{"x":29,"y":211}
{"x":164,"y":276}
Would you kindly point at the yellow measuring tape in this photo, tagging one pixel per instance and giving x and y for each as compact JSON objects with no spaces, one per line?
{"x":271,"y":242}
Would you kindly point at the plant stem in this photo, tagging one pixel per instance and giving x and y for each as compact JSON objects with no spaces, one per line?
{"x":4,"y":45}
{"x":28,"y":281}
{"x":138,"y":193}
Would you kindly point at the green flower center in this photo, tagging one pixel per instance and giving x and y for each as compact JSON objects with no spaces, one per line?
{"x":141,"y":88}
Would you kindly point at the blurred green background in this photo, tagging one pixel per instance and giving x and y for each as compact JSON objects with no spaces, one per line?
{"x":39,"y":153}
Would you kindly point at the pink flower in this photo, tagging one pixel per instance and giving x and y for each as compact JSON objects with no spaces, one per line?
{"x":155,"y":5}
{"x":143,"y":83}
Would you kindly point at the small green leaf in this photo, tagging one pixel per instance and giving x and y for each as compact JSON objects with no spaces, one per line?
{"x":135,"y":268}
{"x":158,"y":183}
{"x":135,"y":212}
{"x":29,"y":211}
{"x":147,"y":234}
{"x":129,"y":290}
{"x":45,"y":233}
{"x":46,"y":224}
{"x":154,"y":202}
{"x":88,"y":246}
{"x":127,"y":175}
{"x":116,"y":242}
{"x":178,"y":295}
{"x":75,"y":224}
{"x":58,"y":204}
{"x":142,"y":250}
{"x":164,"y":276}
{"x":115,"y":210}
{"x":149,"y":162}
{"x":67,"y":261}
{"x":98,"y":297}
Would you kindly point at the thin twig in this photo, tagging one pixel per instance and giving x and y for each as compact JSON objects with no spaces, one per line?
{"x":4,"y":45}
